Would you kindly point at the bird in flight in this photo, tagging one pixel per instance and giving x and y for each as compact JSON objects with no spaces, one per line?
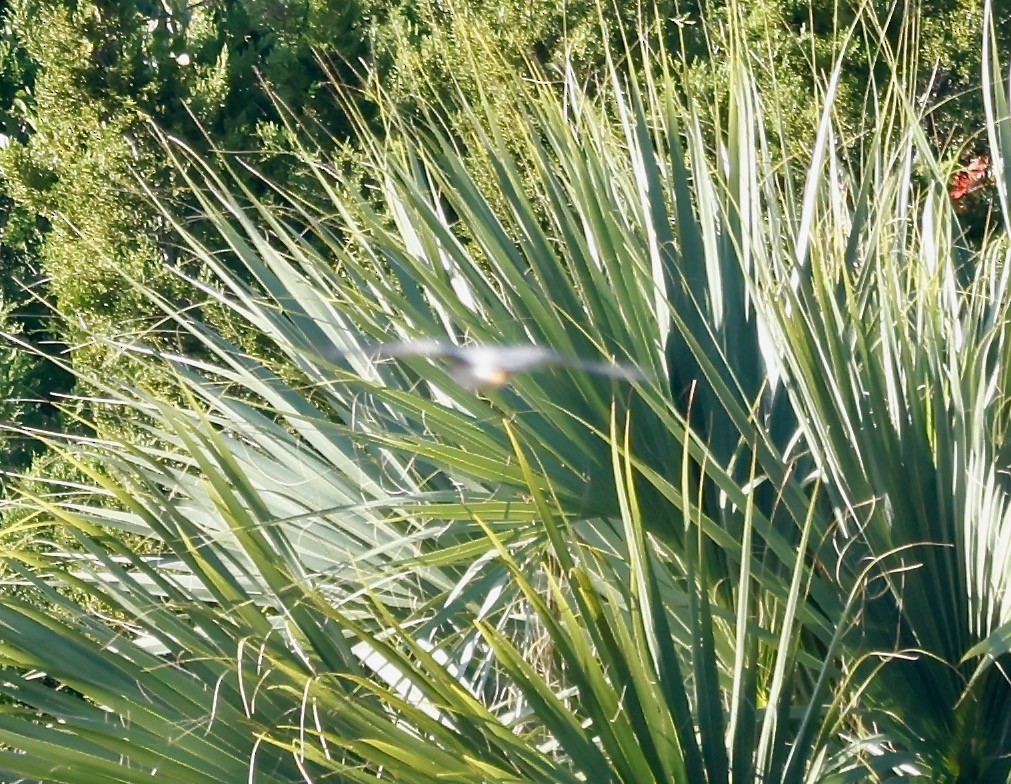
{"x":479,"y":368}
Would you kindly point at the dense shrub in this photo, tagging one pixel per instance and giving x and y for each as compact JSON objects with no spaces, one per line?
{"x":81,"y":80}
{"x":779,"y":553}
{"x":80,"y":83}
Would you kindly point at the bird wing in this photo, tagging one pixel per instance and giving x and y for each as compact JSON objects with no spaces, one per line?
{"x":422,"y":347}
{"x":624,"y":372}
{"x":520,"y":359}
{"x":507,"y":359}
{"x":511,"y":359}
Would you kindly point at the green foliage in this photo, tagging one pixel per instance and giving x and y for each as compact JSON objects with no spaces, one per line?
{"x":101,"y":71}
{"x":781,"y":556}
{"x":80,"y":82}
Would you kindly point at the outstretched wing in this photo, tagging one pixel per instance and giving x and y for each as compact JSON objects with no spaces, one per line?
{"x":511,"y":359}
{"x":623,"y":372}
{"x":520,"y":359}
{"x":422,"y":347}
{"x":485,"y":361}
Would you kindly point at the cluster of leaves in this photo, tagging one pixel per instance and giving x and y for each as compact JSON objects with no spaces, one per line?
{"x":784,"y":555}
{"x":81,"y":81}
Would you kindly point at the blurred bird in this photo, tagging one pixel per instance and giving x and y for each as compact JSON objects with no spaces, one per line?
{"x":479,"y":368}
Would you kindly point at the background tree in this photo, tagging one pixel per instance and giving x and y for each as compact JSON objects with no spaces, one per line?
{"x":82,"y":80}
{"x":81,"y":83}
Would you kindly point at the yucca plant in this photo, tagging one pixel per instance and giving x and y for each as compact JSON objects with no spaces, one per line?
{"x":780,"y":555}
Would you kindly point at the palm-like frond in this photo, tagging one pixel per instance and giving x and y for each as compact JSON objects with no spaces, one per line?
{"x":777,"y":555}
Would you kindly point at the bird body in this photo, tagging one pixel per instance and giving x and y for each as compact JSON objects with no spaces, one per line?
{"x":480,"y":367}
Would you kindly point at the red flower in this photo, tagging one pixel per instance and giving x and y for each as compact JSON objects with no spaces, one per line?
{"x":974,"y":177}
